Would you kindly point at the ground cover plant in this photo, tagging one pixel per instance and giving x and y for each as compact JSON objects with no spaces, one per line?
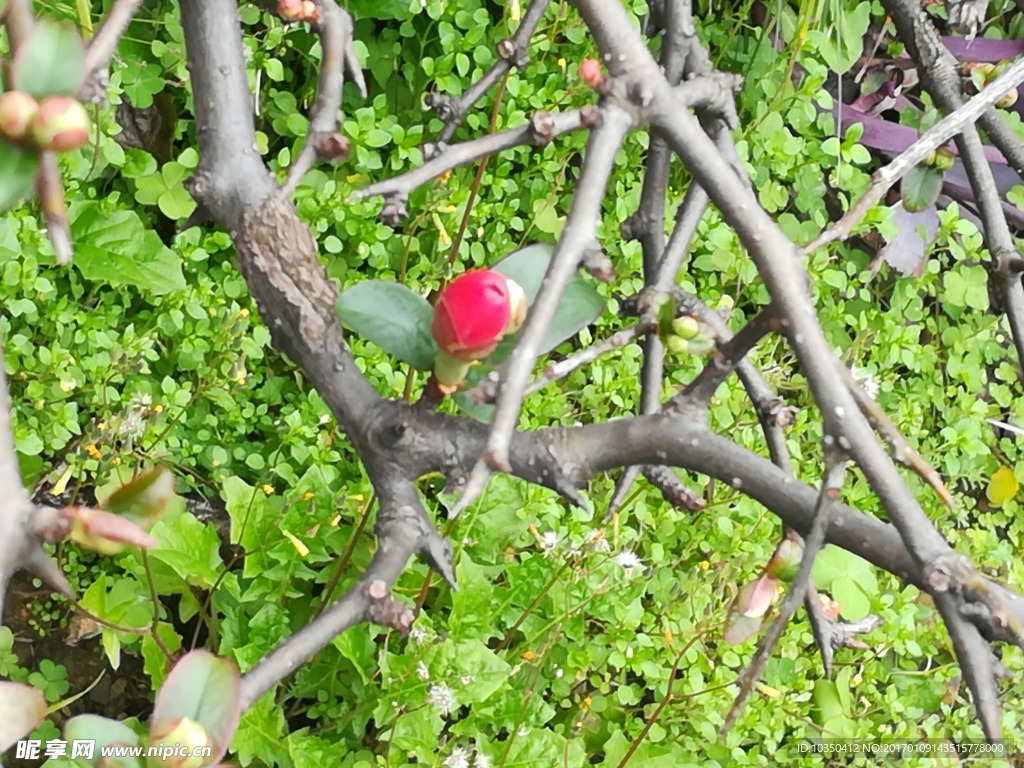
{"x":371,"y":394}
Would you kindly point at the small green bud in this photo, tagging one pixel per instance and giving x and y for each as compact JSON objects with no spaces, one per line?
{"x":677,"y":345}
{"x":686,"y":327}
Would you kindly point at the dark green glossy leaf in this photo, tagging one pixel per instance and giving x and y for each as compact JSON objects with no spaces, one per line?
{"x":920,"y":187}
{"x":19,"y":171}
{"x":51,"y":62}
{"x":466,"y":401}
{"x":580,"y":306}
{"x":393,"y":317}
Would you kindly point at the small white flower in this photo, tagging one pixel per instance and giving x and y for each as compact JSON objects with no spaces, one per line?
{"x":629,"y":562}
{"x":466,"y":679}
{"x":442,"y":697}
{"x":459,"y":758}
{"x":867,"y":381}
{"x":482,"y":761}
{"x":549,"y":540}
{"x":418,"y":635}
{"x":422,"y":671}
{"x":559,"y":672}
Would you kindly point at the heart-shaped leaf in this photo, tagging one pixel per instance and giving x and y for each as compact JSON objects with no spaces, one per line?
{"x":22,"y":708}
{"x":19,"y":171}
{"x":920,"y":187}
{"x":51,"y":62}
{"x":205,"y":689}
{"x":393,"y":317}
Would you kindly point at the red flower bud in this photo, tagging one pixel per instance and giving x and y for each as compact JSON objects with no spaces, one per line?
{"x":590,"y":72}
{"x":290,"y":9}
{"x":473,"y":313}
{"x":17,"y":110}
{"x":60,"y":125}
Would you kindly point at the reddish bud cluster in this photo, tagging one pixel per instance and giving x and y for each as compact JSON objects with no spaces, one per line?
{"x":55,"y":124}
{"x":298,"y":10}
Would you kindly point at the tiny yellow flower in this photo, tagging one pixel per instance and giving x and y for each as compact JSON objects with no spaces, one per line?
{"x":117,"y":461}
{"x":101,"y":425}
{"x":301,"y":548}
{"x":244,"y":313}
{"x":444,"y":176}
{"x":585,"y":704}
{"x":268,"y":489}
{"x":561,"y":63}
{"x":529,"y":656}
{"x":767,"y":690}
{"x":335,"y":521}
{"x":307,"y":495}
{"x":704,"y":565}
{"x":158,"y":408}
{"x":532,"y":529}
{"x":93,"y":451}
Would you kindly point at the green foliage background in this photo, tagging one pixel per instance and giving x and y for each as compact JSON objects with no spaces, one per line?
{"x":148,"y":350}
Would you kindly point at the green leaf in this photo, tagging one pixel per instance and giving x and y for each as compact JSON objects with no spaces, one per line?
{"x":393,"y":317}
{"x":19,"y":172}
{"x":118,"y":248}
{"x":105,"y":732}
{"x":142,"y":499}
{"x":1002,"y":486}
{"x":50,"y":62}
{"x":166,"y":190}
{"x":920,"y":188}
{"x":206,"y":689}
{"x":580,"y":306}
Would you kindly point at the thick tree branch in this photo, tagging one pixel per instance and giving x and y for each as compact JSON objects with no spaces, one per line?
{"x":278,"y":257}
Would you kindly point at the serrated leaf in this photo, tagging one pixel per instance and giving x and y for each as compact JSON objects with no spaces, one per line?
{"x":920,"y":187}
{"x":52,"y":61}
{"x":393,"y":317}
{"x":1002,"y":486}
{"x":118,"y":248}
{"x":22,"y":708}
{"x":19,"y":171}
{"x":206,"y":689}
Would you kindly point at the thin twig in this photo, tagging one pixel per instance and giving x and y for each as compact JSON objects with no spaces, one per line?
{"x":103,"y":45}
{"x":936,"y":136}
{"x":324,"y":142}
{"x":578,"y":234}
{"x":902,"y":450}
{"x":728,"y":355}
{"x":541,"y":129}
{"x":511,"y":54}
{"x":814,"y":541}
{"x":574,"y":362}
